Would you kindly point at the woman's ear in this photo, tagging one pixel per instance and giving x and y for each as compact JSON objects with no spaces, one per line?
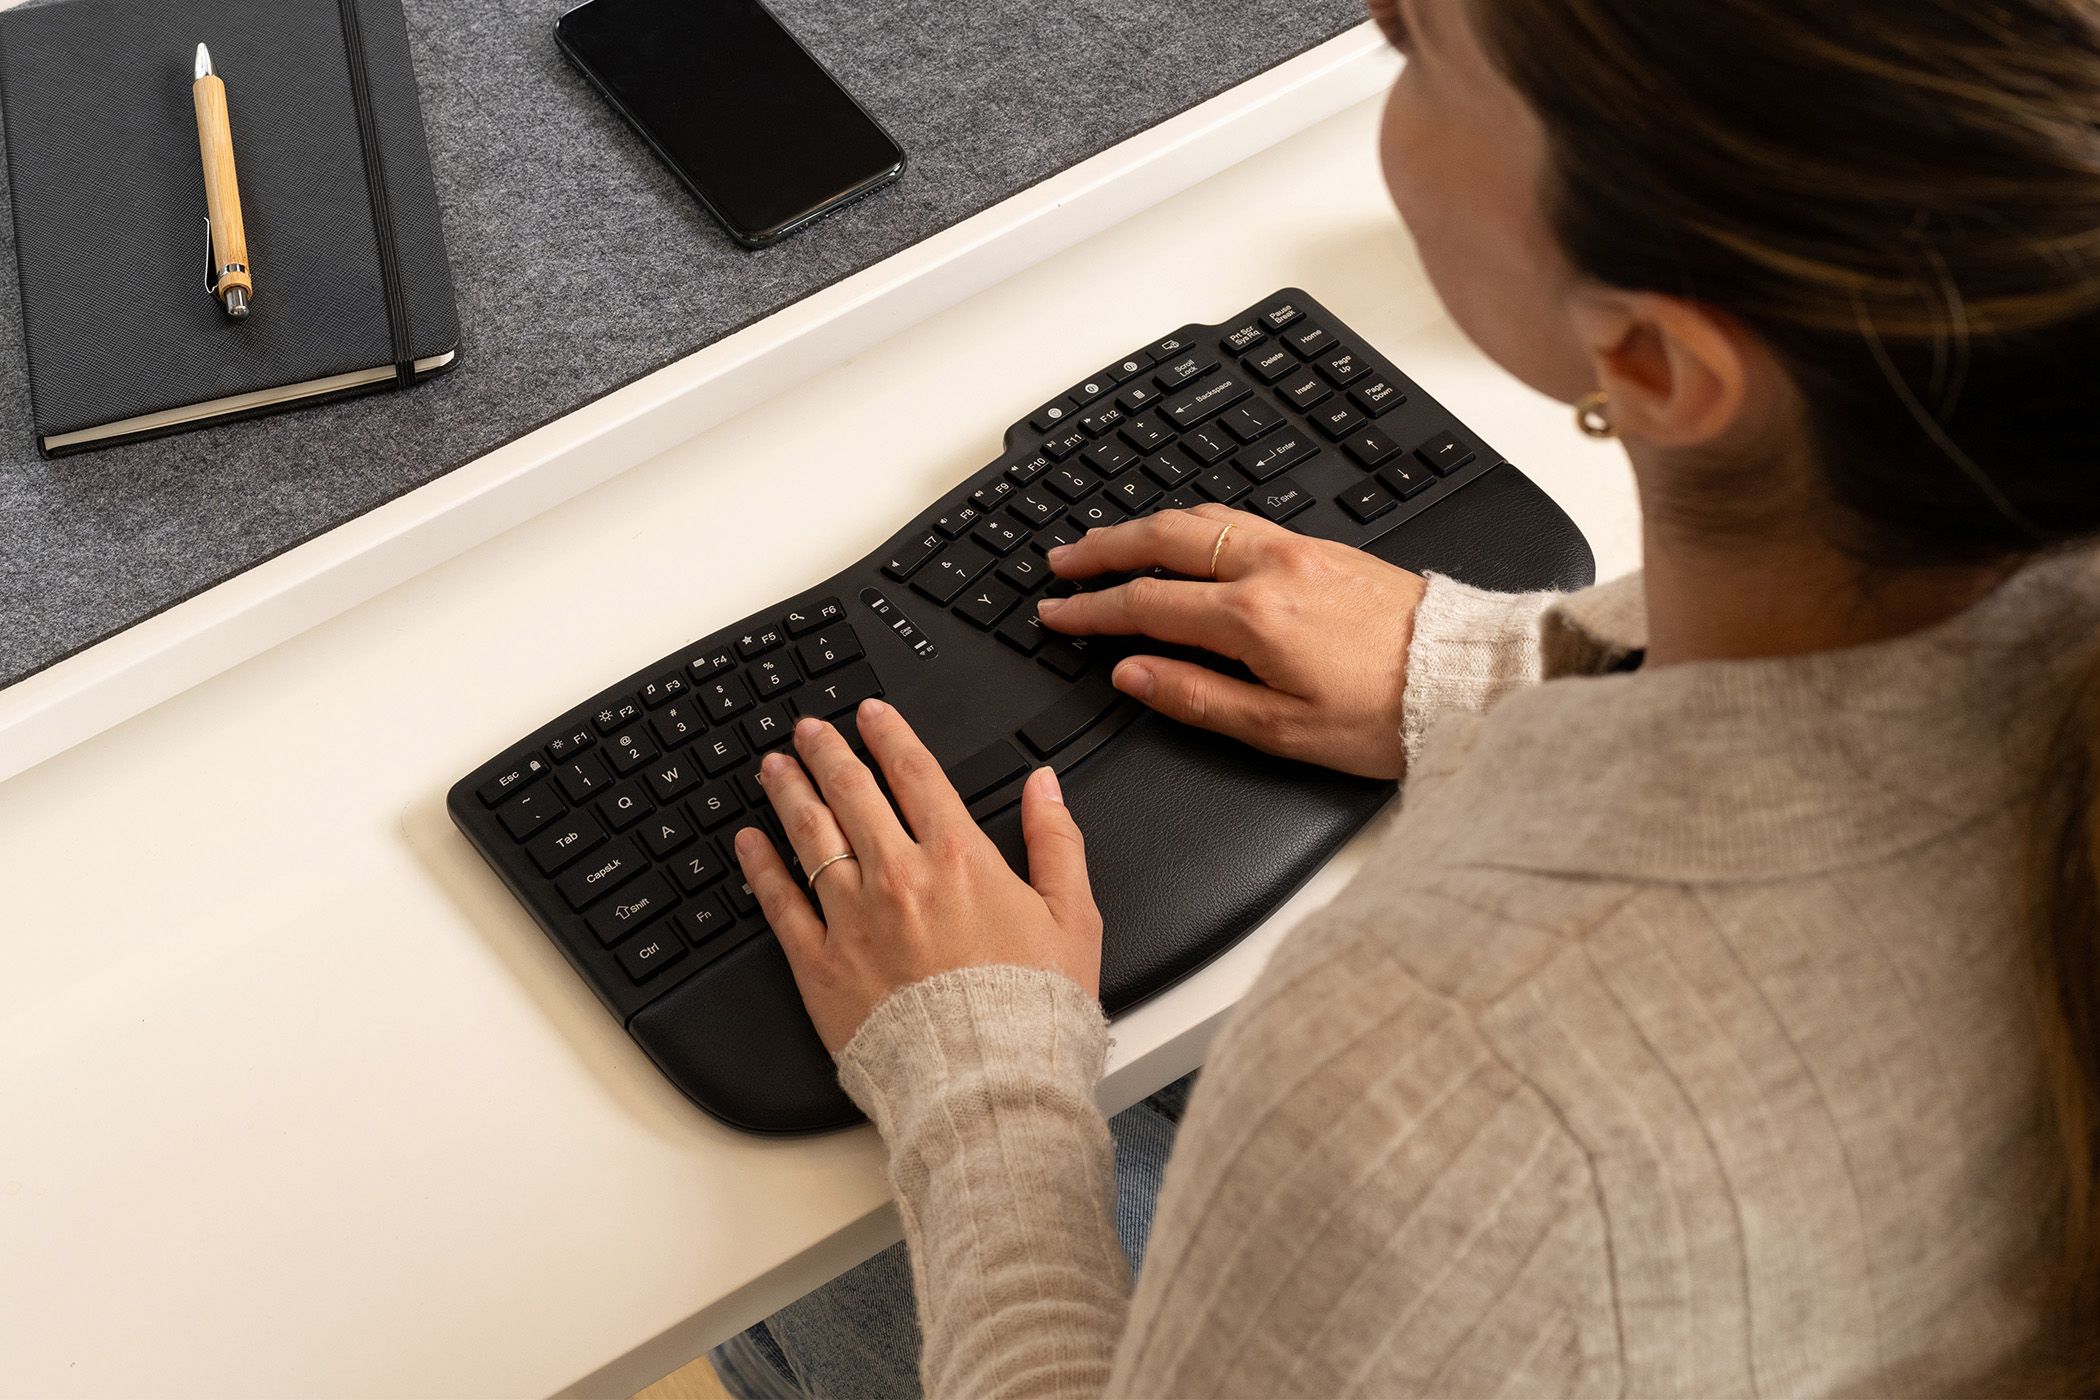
{"x":1678,"y":373}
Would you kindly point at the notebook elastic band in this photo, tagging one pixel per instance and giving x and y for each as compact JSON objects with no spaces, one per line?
{"x":382,"y":207}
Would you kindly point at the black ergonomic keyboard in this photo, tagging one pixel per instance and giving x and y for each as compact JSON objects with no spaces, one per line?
{"x":611,"y":823}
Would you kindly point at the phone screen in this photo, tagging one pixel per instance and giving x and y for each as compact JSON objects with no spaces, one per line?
{"x":749,"y":121}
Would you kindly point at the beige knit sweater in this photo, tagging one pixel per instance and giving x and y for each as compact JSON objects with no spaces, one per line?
{"x":1675,"y":1042}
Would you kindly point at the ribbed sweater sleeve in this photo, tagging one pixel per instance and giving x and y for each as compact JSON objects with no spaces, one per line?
{"x":1470,"y":648}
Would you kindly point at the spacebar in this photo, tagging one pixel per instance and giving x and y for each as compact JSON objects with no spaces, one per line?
{"x":1073,"y":715}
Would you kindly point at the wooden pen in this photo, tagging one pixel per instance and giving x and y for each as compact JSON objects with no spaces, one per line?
{"x":230,"y":280}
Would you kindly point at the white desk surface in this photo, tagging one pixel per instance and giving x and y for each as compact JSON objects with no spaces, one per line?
{"x":294,"y":1100}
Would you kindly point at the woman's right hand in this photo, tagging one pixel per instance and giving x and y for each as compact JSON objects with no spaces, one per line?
{"x":1323,"y":627}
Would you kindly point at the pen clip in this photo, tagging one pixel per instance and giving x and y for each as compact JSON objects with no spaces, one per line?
{"x":211,"y":269}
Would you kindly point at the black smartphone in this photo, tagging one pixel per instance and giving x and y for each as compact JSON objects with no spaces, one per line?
{"x":733,"y":103}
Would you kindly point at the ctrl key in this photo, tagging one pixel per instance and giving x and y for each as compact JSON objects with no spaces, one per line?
{"x":644,"y":957}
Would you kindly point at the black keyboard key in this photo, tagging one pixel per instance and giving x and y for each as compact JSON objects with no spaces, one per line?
{"x":667,"y":831}
{"x":1024,"y":631}
{"x":671,"y":776}
{"x":992,"y":494}
{"x":1183,"y":499}
{"x":822,"y":613}
{"x":563,"y":747}
{"x":1223,"y":484}
{"x":767,"y":726}
{"x":839,"y":692}
{"x":585,"y":778}
{"x":987,"y":770}
{"x":1123,"y":371}
{"x":1065,"y":656}
{"x":607,"y":869}
{"x":1444,"y":453}
{"x":829,"y":649}
{"x":1308,"y":339}
{"x":1033,"y":508}
{"x":1171,"y":466}
{"x":1109,"y":456}
{"x":1101,"y":420}
{"x":1024,"y":572}
{"x":625,"y":805}
{"x":1343,"y":366}
{"x":1065,"y":444}
{"x":1026,"y":468}
{"x":563,"y":842}
{"x":1281,"y":500}
{"x":985,"y":603}
{"x":721,"y":751}
{"x":645,"y":957}
{"x":715,"y":804}
{"x":724,"y":697}
{"x":530,"y":810}
{"x":1208,"y":445}
{"x":1251,"y":421}
{"x":906,"y":559}
{"x":1271,"y":363}
{"x":663,"y":690}
{"x":677,"y":723}
{"x":1053,"y":413}
{"x":1304,"y":389}
{"x":957,"y":521}
{"x":528,"y":769}
{"x":704,"y":919}
{"x":614,"y":713}
{"x":776,"y":675}
{"x":1405,"y":479}
{"x":640,"y":900}
{"x":1136,"y":398}
{"x":1146,"y":434}
{"x":1135,"y":492}
{"x":1371,"y":447}
{"x":1072,"y":482}
{"x":1051,"y":536}
{"x":1205,"y":400}
{"x":1281,"y":314}
{"x":952,"y":572}
{"x":1276,"y":456}
{"x":629,"y":749}
{"x":1376,"y":396}
{"x":1092,"y":387}
{"x":1240,"y":339}
{"x":1097,"y":514}
{"x":1368,"y":501}
{"x":1338,"y":419}
{"x":1168,"y":346}
{"x":999,"y":536}
{"x":1184,"y":369}
{"x":1072,"y":715}
{"x":760,"y":640}
{"x":709,"y":662}
{"x":698,"y":867}
{"x":741,"y":900}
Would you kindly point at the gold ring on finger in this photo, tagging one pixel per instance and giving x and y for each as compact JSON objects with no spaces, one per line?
{"x":1216,"y":550}
{"x":826,"y":864}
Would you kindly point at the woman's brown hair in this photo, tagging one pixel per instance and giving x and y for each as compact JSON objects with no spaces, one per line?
{"x":1902,"y":199}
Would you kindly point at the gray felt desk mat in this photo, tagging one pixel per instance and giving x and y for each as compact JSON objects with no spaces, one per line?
{"x":581,"y":265}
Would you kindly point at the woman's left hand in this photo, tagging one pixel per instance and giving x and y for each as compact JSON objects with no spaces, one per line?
{"x":923,"y":895}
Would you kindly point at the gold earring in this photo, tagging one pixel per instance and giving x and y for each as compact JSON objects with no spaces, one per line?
{"x":1591,"y":417}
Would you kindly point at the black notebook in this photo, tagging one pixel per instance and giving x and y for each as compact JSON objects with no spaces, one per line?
{"x":352,"y":291}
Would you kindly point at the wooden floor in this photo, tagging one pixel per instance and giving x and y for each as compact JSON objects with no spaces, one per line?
{"x":694,"y":1382}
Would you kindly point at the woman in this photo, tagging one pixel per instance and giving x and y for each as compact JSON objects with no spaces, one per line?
{"x":1726,"y":1016}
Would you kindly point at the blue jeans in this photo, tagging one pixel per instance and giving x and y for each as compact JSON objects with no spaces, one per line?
{"x":859,"y":1334}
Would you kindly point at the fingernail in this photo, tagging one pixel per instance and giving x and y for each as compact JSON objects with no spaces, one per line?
{"x":1048,"y":606}
{"x":1134,"y":678}
{"x":1059,"y":552}
{"x":806,"y":728}
{"x":770,"y":766}
{"x":747,"y":841}
{"x":873,"y":707}
{"x":1046,"y":783}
